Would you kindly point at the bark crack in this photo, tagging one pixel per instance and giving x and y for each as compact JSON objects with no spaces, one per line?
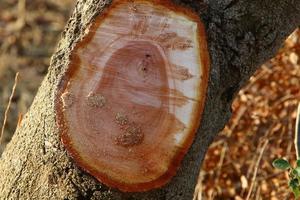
{"x":231,"y":4}
{"x":17,"y":178}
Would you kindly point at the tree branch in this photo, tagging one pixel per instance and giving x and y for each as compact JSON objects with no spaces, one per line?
{"x":242,"y":34}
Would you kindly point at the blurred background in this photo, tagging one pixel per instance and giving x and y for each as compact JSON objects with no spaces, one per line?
{"x":238,"y":164}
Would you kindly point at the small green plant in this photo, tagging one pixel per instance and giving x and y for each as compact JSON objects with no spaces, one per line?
{"x":294,"y":172}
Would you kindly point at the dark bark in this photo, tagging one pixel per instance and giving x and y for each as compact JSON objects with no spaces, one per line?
{"x":242,"y":34}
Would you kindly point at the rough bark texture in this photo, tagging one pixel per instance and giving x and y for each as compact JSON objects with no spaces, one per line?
{"x":242,"y":34}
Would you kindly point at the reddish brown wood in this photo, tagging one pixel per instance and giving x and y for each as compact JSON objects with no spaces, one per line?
{"x":132,"y":99}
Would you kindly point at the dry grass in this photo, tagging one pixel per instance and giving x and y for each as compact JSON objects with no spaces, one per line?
{"x":29,"y":31}
{"x":264,"y":110}
{"x":238,"y":163}
{"x":8,"y":106}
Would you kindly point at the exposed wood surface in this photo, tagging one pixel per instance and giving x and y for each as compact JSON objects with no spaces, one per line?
{"x":241,"y":36}
{"x":127,"y":113}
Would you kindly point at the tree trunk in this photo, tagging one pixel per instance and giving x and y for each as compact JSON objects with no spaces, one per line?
{"x":241,"y":36}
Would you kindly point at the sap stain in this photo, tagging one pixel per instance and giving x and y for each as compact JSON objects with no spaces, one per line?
{"x":172,"y":40}
{"x":180,"y":73}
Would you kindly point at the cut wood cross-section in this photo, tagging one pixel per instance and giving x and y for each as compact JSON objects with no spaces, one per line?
{"x":132,"y":98}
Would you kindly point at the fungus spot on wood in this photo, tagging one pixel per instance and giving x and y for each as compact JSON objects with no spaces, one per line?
{"x":139,"y":78}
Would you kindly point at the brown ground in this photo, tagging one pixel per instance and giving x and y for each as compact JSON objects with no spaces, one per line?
{"x":263,"y":124}
{"x":260,"y":130}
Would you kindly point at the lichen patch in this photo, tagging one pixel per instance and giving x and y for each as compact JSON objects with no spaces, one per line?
{"x":95,"y":100}
{"x":121,"y":119}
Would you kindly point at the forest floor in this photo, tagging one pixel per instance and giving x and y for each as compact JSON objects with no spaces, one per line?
{"x":238,"y":164}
